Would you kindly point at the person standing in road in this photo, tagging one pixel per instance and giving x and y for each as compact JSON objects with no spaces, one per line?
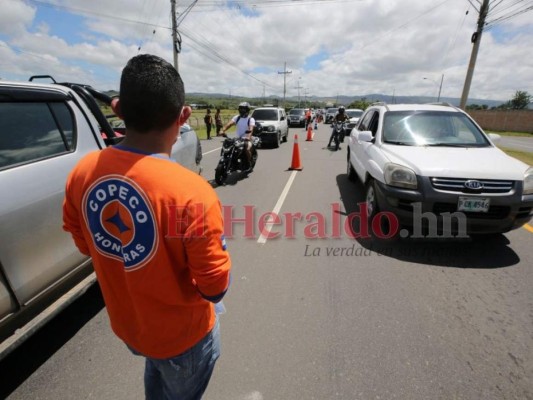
{"x":208,"y":119}
{"x":308,"y":117}
{"x":218,"y":121}
{"x":154,"y":231}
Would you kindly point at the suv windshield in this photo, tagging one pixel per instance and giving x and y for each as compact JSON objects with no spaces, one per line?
{"x":354,"y":113}
{"x":431,"y":128}
{"x":297,"y":111}
{"x":265,"y":115}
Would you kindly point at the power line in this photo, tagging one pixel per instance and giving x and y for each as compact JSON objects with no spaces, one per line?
{"x":199,"y":45}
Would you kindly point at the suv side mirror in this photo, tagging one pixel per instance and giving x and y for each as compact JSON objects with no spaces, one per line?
{"x":364,"y":136}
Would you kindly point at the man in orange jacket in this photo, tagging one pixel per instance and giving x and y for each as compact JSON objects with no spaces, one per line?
{"x":154,"y":232}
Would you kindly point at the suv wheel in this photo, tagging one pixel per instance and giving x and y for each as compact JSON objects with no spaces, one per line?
{"x":349,"y":169}
{"x":371,"y":198}
{"x":278,"y":140}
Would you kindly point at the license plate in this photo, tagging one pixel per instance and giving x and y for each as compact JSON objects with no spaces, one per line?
{"x":473,"y":204}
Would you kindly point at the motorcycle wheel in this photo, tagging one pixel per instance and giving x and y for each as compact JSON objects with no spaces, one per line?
{"x":220,"y":174}
{"x":254,"y":158}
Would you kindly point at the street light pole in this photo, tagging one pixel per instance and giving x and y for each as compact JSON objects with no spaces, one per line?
{"x":440,"y":86}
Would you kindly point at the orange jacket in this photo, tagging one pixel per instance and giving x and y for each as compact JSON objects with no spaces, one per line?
{"x":154,"y":232}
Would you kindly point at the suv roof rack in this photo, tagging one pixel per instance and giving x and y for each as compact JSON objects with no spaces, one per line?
{"x":443,"y":103}
{"x":381,"y":103}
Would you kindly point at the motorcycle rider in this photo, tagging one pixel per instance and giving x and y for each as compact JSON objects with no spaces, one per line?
{"x":245,"y":126}
{"x":341,"y":116}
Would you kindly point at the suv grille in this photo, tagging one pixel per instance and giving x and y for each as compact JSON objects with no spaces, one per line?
{"x":458,"y":185}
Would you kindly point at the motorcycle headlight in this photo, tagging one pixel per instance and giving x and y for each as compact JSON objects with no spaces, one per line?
{"x":528,"y":181}
{"x":400,"y":176}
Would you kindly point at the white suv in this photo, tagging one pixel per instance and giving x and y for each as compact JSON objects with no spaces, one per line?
{"x":275,"y":128}
{"x":434,"y":161}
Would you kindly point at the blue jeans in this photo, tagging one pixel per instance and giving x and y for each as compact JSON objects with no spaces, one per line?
{"x":185,"y":376}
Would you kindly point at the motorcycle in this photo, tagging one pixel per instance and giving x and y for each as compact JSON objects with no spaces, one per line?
{"x":338,"y":133}
{"x":233,"y":158}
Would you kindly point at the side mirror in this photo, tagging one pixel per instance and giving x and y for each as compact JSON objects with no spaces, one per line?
{"x":364,"y":136}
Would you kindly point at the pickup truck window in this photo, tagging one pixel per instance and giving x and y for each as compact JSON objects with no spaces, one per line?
{"x":32,"y":131}
{"x":65,"y":121}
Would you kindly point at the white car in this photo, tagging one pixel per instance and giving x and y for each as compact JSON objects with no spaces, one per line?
{"x":425,"y":163}
{"x":274,"y":124}
{"x":353,"y":114}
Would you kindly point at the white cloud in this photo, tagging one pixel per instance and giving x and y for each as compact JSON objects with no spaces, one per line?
{"x":375,"y":46}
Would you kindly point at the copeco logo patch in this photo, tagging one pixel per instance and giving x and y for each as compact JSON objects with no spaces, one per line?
{"x":121,"y":221}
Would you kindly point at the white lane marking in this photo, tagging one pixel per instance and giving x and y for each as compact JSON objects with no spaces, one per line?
{"x":210,"y":151}
{"x":255,"y":395}
{"x":268,"y":226}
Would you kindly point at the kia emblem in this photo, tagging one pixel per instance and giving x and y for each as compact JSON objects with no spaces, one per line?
{"x":473,"y":185}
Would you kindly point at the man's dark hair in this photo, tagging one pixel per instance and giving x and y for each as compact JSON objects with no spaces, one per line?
{"x":151,"y":93}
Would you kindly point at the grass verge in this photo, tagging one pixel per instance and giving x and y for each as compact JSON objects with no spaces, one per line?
{"x":523,"y":156}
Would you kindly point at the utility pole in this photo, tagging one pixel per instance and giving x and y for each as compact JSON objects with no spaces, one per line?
{"x":285,"y":72}
{"x":440,"y":87}
{"x":299,"y":87}
{"x":174,"y":33}
{"x":476,"y":40}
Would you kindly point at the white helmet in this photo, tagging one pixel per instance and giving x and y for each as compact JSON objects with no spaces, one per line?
{"x":244,"y":109}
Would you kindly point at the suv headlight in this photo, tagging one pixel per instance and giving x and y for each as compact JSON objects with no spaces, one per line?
{"x":400,"y":176}
{"x":270,"y":128}
{"x":528,"y":181}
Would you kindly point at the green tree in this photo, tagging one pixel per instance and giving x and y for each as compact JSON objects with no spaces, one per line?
{"x":362,"y":104}
{"x":520,"y":100}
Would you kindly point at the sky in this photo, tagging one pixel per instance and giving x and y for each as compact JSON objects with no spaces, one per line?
{"x":267,"y":48}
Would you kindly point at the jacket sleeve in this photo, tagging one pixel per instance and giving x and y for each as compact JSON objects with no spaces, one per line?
{"x":208,"y":259}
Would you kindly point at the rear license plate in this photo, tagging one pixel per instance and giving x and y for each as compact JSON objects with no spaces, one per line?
{"x":473,"y":204}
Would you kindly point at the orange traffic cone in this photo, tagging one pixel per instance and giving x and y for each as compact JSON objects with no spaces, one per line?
{"x":296,"y":163}
{"x":309,"y":133}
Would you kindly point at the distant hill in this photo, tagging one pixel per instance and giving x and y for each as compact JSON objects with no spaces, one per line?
{"x":345,"y":100}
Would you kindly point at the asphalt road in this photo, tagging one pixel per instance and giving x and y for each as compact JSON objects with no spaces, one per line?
{"x":325,"y":318}
{"x":517,"y":143}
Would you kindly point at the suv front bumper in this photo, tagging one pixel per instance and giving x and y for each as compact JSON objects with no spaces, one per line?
{"x":427,"y":205}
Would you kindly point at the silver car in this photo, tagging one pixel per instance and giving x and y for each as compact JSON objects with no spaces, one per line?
{"x":45,"y":129}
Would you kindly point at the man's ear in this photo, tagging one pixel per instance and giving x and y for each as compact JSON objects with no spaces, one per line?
{"x":115,"y":106}
{"x":186,"y":112}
